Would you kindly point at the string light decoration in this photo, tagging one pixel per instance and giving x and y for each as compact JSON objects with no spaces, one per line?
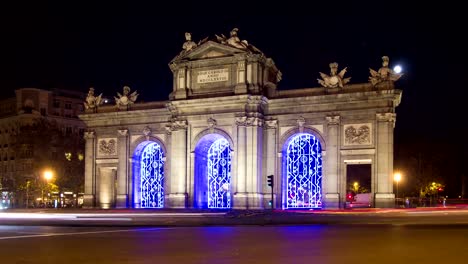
{"x":219,"y":175}
{"x":304,"y":172}
{"x":152,"y":176}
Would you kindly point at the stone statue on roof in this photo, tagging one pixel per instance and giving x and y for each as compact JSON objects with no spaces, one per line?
{"x":188,"y":44}
{"x":92,"y":102}
{"x":334,"y":80}
{"x":127,"y":99}
{"x":384,"y":73}
{"x":233,"y":40}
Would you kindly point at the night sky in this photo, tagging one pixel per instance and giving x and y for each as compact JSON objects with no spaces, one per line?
{"x":75,"y":46}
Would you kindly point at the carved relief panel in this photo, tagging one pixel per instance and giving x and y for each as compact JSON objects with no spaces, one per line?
{"x":357,"y":134}
{"x":107,"y":146}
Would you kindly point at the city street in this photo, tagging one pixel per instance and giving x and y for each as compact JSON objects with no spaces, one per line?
{"x":242,"y":244}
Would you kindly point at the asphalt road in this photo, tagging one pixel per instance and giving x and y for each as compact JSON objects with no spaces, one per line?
{"x":345,"y":244}
{"x":167,"y":219}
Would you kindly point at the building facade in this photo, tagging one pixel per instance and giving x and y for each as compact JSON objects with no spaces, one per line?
{"x":226,"y":127}
{"x":27,"y":107}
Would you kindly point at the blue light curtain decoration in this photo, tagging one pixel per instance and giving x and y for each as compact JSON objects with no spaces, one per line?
{"x":152,"y":176}
{"x":219,"y":175}
{"x":304,"y":172}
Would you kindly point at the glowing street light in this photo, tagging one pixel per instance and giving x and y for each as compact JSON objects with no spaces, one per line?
{"x":356,"y":186}
{"x":48,"y":175}
{"x":397,"y":178}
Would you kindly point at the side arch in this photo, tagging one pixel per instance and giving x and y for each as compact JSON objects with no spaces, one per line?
{"x":293,"y":131}
{"x":156,"y":159}
{"x":208,"y":131}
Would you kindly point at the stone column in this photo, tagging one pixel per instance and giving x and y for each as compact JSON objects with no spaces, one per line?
{"x":331,"y":177}
{"x":270,"y":166}
{"x":254,"y":153}
{"x":240,"y":195}
{"x":122,"y":169}
{"x":177,"y":196}
{"x":90,"y":175}
{"x":384,"y":196}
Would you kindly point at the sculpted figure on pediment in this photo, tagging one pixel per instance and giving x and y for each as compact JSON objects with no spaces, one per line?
{"x":92,"y":102}
{"x":335,"y":79}
{"x":126,"y":99}
{"x":384,"y":73}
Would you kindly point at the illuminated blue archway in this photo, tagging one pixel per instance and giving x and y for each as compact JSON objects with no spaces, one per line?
{"x":213,"y":173}
{"x":302,"y":169}
{"x":148,"y":174}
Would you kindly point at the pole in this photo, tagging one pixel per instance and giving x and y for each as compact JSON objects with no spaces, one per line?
{"x":397,"y":192}
{"x":27,"y":194}
{"x":272,"y":197}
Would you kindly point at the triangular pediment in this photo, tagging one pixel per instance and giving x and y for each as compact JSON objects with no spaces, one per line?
{"x":210,"y":49}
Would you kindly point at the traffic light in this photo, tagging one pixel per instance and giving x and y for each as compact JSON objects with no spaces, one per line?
{"x":270,"y":180}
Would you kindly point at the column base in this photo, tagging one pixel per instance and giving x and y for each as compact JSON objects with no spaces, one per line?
{"x":176,"y":200}
{"x":88,"y":201}
{"x":248,"y":201}
{"x":331,"y":201}
{"x":384,"y":200}
{"x":122,"y":201}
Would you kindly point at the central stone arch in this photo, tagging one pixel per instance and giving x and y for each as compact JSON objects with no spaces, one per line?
{"x":212,"y":172}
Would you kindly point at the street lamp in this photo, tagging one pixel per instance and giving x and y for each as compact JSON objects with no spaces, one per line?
{"x":356,"y":186}
{"x":48,"y":175}
{"x":397,"y":178}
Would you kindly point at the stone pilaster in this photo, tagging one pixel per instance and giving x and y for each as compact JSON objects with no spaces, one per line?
{"x":241,"y":86}
{"x":271,"y":127}
{"x":331,"y":177}
{"x":181,"y":84}
{"x":122,"y":169}
{"x":177,"y":193}
{"x":384,"y":196}
{"x":240,"y":192}
{"x":90,"y":175}
{"x":254,"y":157}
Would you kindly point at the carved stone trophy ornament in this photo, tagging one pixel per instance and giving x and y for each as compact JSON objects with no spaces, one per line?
{"x":92,"y":102}
{"x":127,"y":99}
{"x":384,"y":73}
{"x":334,"y":80}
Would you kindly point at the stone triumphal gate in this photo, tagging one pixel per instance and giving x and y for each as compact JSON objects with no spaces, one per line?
{"x":226,"y":127}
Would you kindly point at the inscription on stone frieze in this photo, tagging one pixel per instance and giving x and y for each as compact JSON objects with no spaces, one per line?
{"x":215,"y":75}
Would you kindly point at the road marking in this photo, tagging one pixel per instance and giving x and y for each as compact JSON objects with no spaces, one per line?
{"x":83,"y":233}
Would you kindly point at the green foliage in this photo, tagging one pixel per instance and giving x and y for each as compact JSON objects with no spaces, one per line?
{"x":356,"y":188}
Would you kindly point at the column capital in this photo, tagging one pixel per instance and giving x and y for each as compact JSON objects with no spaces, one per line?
{"x":241,"y":120}
{"x":178,"y":125}
{"x":254,"y":121}
{"x":89,"y":135}
{"x":386,"y":117}
{"x":122,"y":132}
{"x":333,"y":120}
{"x":271,"y":124}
